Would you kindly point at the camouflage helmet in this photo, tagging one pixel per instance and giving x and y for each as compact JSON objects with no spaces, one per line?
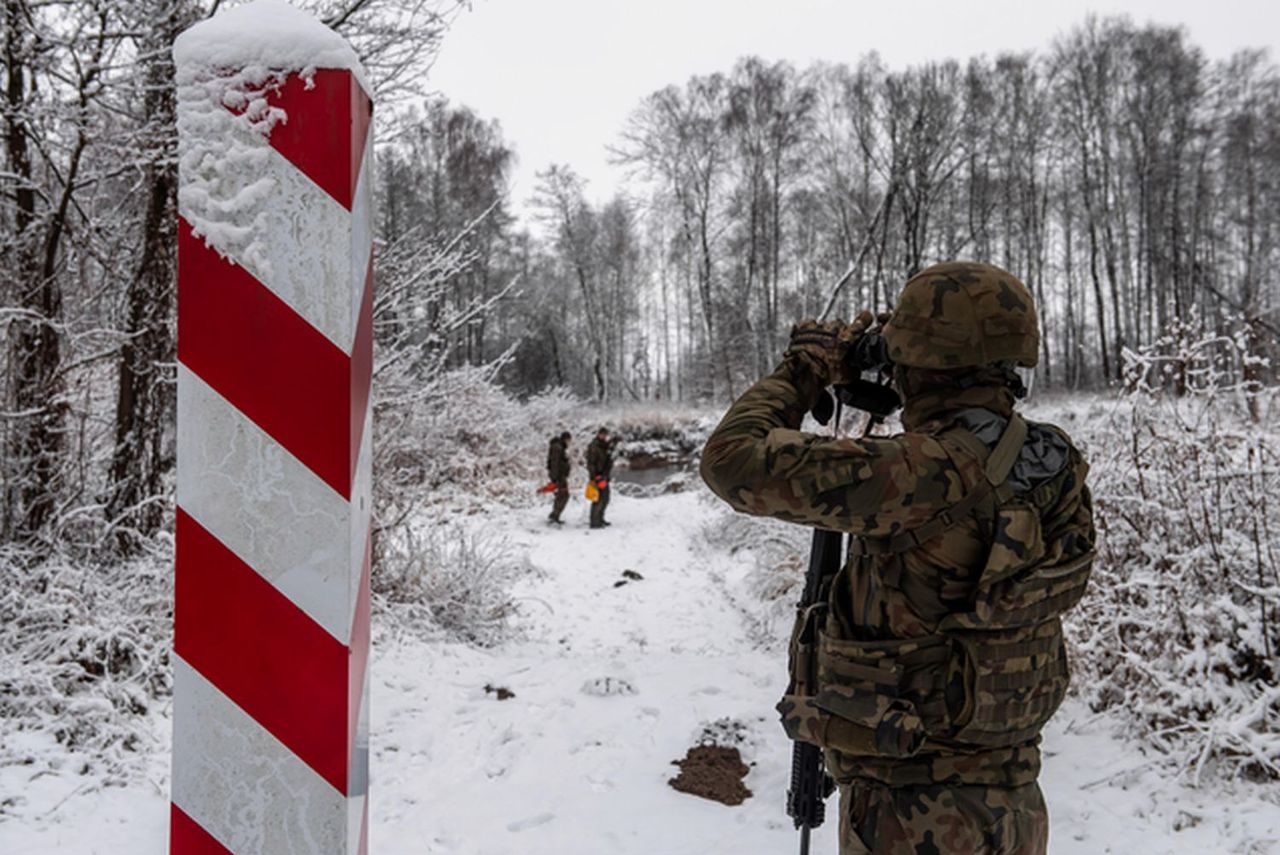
{"x":960,"y":314}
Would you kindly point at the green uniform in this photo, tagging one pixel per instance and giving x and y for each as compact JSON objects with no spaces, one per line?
{"x":558,"y":474}
{"x":599,"y":469}
{"x":940,"y":652}
{"x":943,"y":818}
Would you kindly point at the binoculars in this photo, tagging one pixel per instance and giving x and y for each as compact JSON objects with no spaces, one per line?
{"x":868,"y":359}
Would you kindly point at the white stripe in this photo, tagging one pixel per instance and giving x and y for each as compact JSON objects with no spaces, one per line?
{"x":361,"y":511}
{"x":264,"y":505}
{"x":241,"y":784}
{"x":361,"y":232}
{"x":302,"y":247}
{"x":359,"y":777}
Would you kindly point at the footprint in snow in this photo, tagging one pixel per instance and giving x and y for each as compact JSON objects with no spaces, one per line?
{"x":600,"y":784}
{"x":602,"y":687}
{"x":531,"y":822}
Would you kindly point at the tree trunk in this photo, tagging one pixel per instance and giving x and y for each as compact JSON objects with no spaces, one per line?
{"x":144,"y":389}
{"x":35,"y":441}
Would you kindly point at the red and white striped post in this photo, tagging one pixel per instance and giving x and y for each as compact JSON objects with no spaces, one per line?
{"x":275,"y":300}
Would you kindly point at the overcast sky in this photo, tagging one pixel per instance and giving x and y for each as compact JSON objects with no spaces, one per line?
{"x":563,"y":75}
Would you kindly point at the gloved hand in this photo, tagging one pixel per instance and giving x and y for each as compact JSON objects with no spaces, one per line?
{"x":825,"y":343}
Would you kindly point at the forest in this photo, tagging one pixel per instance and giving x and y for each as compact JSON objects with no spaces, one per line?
{"x":1122,"y":175}
{"x":1132,"y":183}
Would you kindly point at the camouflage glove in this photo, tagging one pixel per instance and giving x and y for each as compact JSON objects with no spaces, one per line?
{"x":823,"y":345}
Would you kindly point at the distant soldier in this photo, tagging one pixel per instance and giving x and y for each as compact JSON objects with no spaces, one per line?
{"x":939,"y":648}
{"x":558,"y":474}
{"x":599,"y":470}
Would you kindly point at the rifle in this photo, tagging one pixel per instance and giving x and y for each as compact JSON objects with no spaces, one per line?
{"x":810,"y":783}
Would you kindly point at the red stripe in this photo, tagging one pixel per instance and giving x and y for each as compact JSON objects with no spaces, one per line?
{"x":261,"y":651}
{"x":264,"y":358}
{"x":186,"y":837}
{"x":361,"y":119}
{"x":326,"y":130}
{"x":361,"y":368}
{"x":359,"y":650}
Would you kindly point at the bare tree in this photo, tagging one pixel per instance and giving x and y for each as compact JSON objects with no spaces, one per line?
{"x":144,"y":387}
{"x":679,"y":139}
{"x":55,"y":61}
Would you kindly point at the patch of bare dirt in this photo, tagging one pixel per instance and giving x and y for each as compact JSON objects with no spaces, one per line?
{"x":712,"y":772}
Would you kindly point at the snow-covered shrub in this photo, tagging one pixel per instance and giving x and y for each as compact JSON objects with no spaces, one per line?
{"x":655,"y":430}
{"x":451,"y":579}
{"x":467,"y":448}
{"x":1226,"y":366}
{"x":761,"y":563}
{"x":84,"y":650}
{"x":481,"y":439}
{"x":1181,"y":624}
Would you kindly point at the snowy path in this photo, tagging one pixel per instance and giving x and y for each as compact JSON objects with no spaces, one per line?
{"x":556,"y":770}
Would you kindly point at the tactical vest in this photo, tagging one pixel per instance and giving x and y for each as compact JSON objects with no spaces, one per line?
{"x":912,"y":710}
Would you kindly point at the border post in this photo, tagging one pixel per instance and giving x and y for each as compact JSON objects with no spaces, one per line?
{"x":275,"y":304}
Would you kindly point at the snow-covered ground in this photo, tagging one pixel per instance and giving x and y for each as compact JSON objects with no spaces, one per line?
{"x":611,"y":684}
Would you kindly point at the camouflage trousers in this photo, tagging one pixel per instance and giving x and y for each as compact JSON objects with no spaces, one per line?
{"x":598,"y":506}
{"x":942,"y":820}
{"x":561,"y":499}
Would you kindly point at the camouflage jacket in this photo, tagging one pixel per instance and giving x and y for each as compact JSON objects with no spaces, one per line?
{"x":557,"y":461}
{"x":963,"y":627}
{"x":600,"y":458}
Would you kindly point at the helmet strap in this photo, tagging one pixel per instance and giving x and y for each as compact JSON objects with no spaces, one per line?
{"x":922,"y":381}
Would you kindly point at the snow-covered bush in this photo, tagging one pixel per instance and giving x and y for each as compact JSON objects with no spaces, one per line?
{"x":468,"y":439}
{"x":764,"y":571}
{"x":1181,"y":624}
{"x":84,"y":650}
{"x":648,"y":429}
{"x":450,"y":579}
{"x":467,"y":448}
{"x":1225,"y":366}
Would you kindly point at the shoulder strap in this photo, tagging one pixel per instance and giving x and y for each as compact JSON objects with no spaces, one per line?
{"x":1006,"y":452}
{"x":999,"y":465}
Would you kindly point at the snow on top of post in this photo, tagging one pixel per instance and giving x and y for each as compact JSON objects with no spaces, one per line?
{"x":269,"y":34}
{"x":227,"y":68}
